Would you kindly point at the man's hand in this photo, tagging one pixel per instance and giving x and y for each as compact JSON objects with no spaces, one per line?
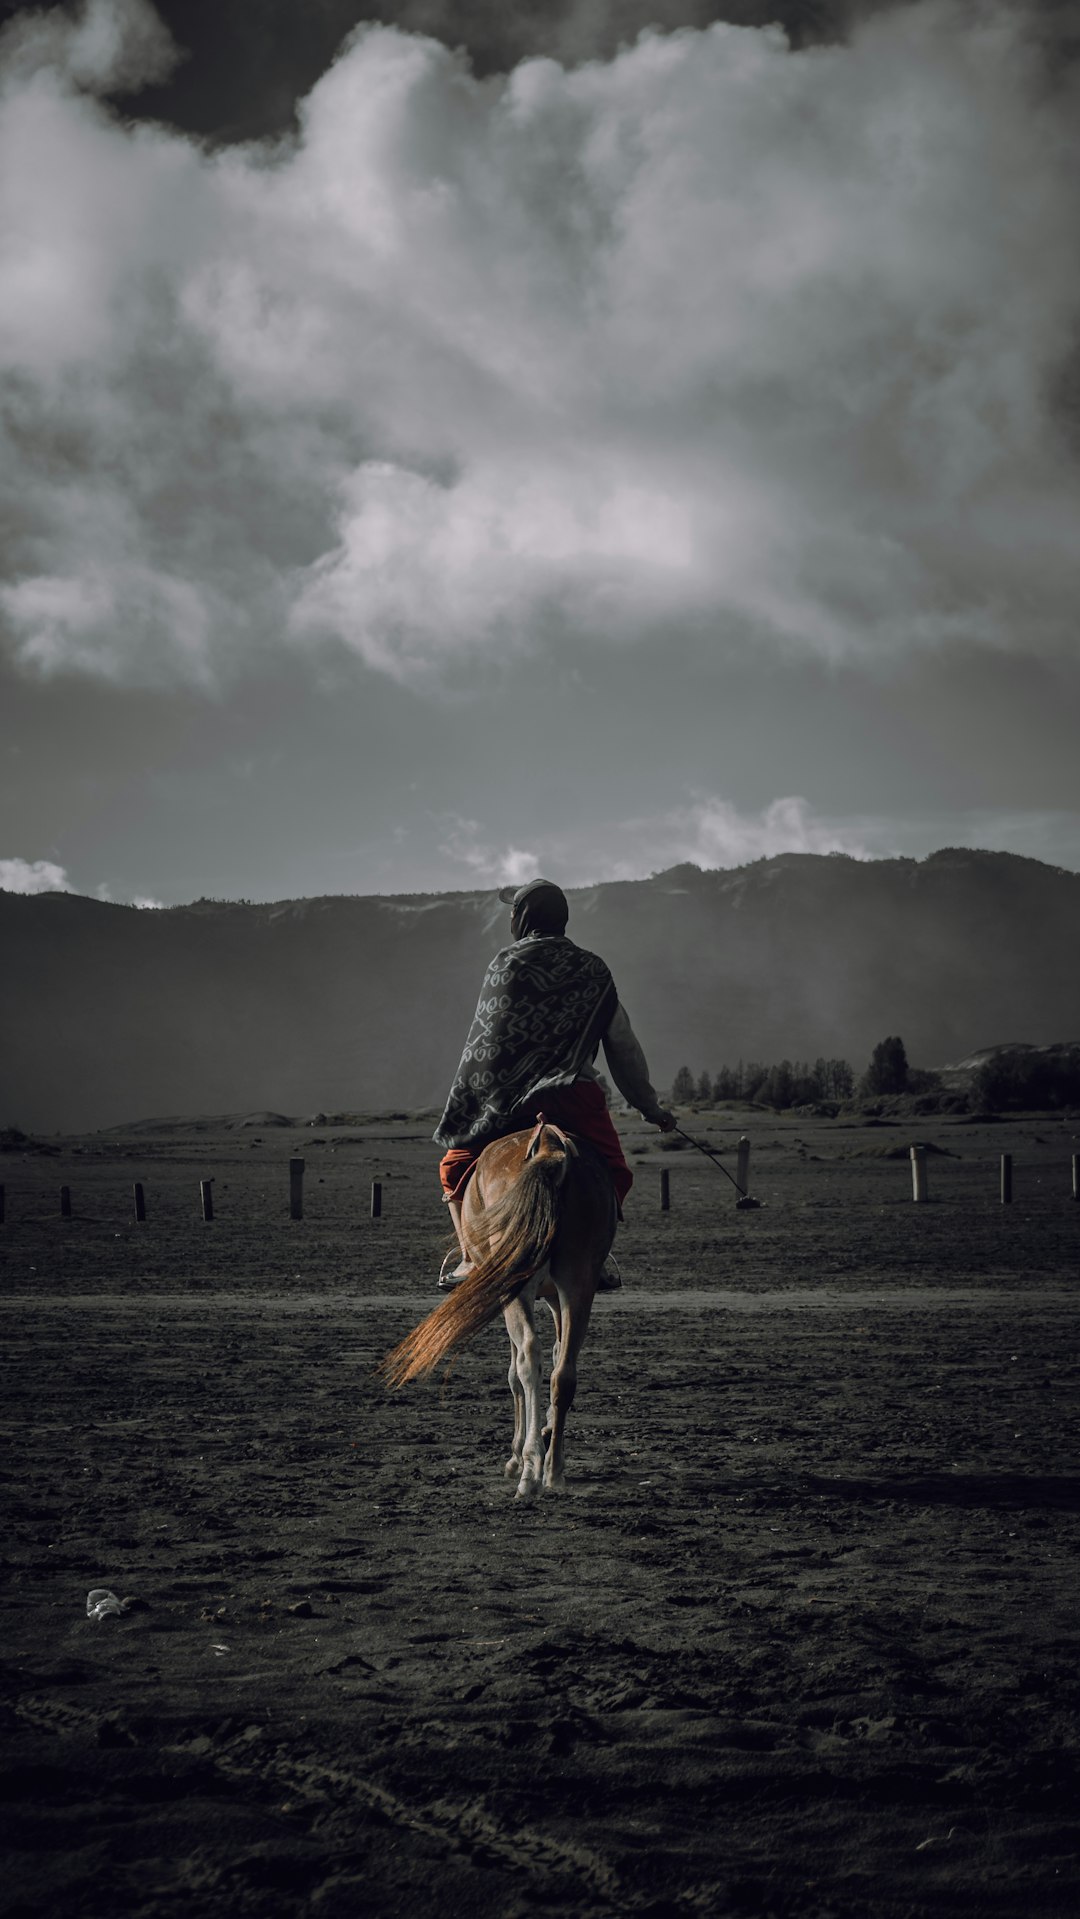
{"x":667,"y":1122}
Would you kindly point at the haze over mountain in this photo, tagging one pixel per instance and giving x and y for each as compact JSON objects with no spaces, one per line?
{"x":111,"y":1013}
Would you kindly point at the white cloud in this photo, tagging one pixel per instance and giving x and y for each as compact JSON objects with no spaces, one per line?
{"x":98,"y":44}
{"x":713,"y":336}
{"x":463,"y":843}
{"x":104,"y":892}
{"x":45,"y":876}
{"x":33,"y":876}
{"x":706,"y":831}
{"x":711,"y":832}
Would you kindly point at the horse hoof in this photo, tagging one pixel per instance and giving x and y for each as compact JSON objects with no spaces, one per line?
{"x":527,"y":1489}
{"x":512,"y":1467}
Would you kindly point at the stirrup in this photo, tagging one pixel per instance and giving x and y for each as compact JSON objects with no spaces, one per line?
{"x":610,"y":1280}
{"x":448,"y":1280}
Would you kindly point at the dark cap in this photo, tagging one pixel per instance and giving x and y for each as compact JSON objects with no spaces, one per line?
{"x":553,"y":898}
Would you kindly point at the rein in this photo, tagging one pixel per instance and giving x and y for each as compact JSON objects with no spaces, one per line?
{"x":744,"y":1203}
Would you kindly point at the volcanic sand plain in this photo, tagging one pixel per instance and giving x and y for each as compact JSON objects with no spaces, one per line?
{"x":800,"y":1638}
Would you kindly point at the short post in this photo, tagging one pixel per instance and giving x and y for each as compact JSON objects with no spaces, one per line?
{"x":376,"y":1198}
{"x":65,"y":1202}
{"x":206,"y":1194}
{"x":918,"y":1174}
{"x":1076,"y":1175}
{"x":665,"y":1190}
{"x":296,"y":1189}
{"x":1006,"y":1179}
{"x":742,"y":1166}
{"x":140,"y":1200}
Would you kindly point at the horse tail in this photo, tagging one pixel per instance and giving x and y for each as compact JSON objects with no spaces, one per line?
{"x":522,"y":1227}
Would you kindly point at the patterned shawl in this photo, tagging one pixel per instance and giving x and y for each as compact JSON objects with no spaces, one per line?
{"x":543,"y":1009}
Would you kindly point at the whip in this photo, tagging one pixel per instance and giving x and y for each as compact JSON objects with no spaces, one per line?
{"x":745,"y":1203}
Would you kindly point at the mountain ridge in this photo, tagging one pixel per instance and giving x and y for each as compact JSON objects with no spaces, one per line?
{"x":349,"y":1002}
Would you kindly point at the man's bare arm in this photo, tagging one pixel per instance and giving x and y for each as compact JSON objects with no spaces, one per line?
{"x":629,"y":1070}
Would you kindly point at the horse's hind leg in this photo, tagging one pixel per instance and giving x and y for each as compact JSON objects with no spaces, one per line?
{"x":556,"y":1314}
{"x":572,"y":1329}
{"x":522,"y":1330}
{"x":513,"y":1464}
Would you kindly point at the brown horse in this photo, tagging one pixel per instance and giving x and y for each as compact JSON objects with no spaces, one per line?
{"x":538,"y":1220}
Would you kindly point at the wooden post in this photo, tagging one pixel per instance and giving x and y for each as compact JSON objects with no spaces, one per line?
{"x":1006,"y":1179}
{"x":206,"y":1194}
{"x":140,"y":1200}
{"x":918,"y":1174}
{"x":742,"y":1166}
{"x":296,"y":1189}
{"x":1076,"y":1175}
{"x":376,"y":1198}
{"x":65,"y":1202}
{"x":665,"y":1190}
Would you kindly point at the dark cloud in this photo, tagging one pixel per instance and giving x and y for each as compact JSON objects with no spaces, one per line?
{"x":247,"y":66}
{"x":710,"y":338}
{"x":711,"y":400}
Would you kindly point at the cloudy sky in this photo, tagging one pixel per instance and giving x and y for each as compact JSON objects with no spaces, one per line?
{"x":576,"y":436}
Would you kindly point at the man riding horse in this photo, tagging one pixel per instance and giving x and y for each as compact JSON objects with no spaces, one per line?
{"x":545,"y":1008}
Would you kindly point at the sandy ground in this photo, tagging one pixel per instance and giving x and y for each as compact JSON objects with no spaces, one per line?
{"x":801,"y":1637}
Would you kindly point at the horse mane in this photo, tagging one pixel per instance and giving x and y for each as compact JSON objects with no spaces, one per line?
{"x":522,"y":1227}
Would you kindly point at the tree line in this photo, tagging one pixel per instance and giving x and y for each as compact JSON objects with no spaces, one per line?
{"x":797,"y":1083}
{"x":1019,"y":1079}
{"x":786,"y":1083}
{"x":1013,"y":1079}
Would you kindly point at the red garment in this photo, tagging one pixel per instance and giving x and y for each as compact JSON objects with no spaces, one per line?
{"x":580,"y":1108}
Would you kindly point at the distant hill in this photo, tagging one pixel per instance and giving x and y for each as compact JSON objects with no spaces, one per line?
{"x":1018,"y":1076}
{"x":359,"y":1004}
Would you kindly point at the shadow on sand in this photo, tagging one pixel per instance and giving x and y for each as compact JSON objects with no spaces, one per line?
{"x":1059,"y":1492}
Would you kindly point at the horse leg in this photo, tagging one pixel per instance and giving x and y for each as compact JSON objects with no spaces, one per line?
{"x":522,"y":1329}
{"x":574,"y":1320}
{"x":556,"y":1314}
{"x":512,"y":1317}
